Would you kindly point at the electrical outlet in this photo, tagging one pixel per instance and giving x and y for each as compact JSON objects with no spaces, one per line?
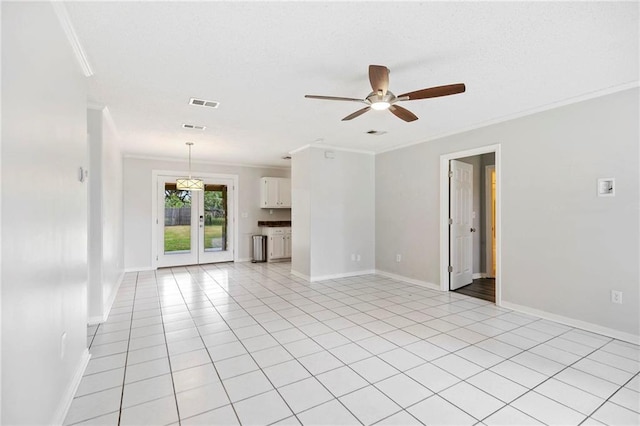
{"x":616,"y":297}
{"x":357,"y":258}
{"x":398,"y":258}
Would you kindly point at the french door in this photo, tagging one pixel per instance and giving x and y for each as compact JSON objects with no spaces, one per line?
{"x":194,"y":227}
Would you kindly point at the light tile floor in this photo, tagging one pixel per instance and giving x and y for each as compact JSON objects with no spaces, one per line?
{"x":250,"y":344}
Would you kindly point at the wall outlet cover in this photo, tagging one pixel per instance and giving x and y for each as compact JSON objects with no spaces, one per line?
{"x":616,"y":297}
{"x":606,"y":187}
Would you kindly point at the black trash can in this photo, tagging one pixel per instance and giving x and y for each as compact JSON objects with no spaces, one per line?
{"x":259,"y":248}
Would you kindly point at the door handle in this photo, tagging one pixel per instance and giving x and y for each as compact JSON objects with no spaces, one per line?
{"x":473,"y":229}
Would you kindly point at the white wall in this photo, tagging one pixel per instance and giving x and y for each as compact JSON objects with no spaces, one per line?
{"x":106,"y":250}
{"x":44,"y":216}
{"x":563,"y":248}
{"x":301,"y":212}
{"x":341,"y":214}
{"x":138,"y":189}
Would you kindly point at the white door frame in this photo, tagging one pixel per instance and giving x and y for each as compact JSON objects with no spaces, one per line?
{"x":155,"y":174}
{"x":444,"y":214}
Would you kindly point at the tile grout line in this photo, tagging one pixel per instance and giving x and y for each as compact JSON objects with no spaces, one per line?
{"x":518,"y":326}
{"x":243,"y":345}
{"x":208,"y":354}
{"x":166,"y":345}
{"x":126,"y":358}
{"x":253,"y":287}
{"x":548,"y":377}
{"x":609,"y":399}
{"x":294,"y":358}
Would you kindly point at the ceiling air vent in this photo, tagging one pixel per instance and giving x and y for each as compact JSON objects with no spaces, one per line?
{"x":193,"y":126}
{"x":202,"y":102}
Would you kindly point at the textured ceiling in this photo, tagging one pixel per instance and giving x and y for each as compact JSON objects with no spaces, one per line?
{"x":259,"y":59}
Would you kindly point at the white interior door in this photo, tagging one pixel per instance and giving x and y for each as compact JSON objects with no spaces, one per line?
{"x":461,"y":199}
{"x":194,"y":227}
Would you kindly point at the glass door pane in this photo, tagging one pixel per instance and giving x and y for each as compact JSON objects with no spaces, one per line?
{"x":177,"y":229}
{"x":216,"y":223}
{"x":215,"y":217}
{"x":177,"y":220}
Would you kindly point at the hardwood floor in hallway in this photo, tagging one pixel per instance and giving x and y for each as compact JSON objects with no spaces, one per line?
{"x":481,"y":288}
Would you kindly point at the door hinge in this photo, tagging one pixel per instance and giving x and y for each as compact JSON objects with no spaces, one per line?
{"x":450,"y":268}
{"x":156,"y":258}
{"x":157,"y":221}
{"x":450,"y":221}
{"x":450,"y":173}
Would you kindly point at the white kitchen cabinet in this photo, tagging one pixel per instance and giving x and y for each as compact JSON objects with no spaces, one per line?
{"x":275,"y":193}
{"x":287,"y":242}
{"x":278,"y":242}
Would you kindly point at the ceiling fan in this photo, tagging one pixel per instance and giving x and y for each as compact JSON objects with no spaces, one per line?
{"x":381,"y":98}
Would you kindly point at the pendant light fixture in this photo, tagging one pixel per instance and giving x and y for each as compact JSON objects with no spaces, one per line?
{"x":190,"y":184}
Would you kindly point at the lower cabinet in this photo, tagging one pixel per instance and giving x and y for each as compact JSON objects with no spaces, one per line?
{"x":278,"y":243}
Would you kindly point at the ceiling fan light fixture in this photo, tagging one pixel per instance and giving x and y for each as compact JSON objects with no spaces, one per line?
{"x":380,"y":105}
{"x":189,"y":184}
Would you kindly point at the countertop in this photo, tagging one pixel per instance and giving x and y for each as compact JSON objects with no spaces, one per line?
{"x":274,"y":223}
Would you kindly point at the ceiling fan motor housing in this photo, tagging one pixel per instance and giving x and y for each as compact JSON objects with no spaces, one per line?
{"x":375,"y":97}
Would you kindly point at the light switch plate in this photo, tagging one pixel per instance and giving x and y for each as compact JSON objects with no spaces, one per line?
{"x":606,"y":187}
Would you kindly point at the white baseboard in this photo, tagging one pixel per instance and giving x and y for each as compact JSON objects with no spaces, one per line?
{"x":426,"y":284}
{"x":300,"y":275}
{"x":479,"y":275}
{"x":343,"y":275}
{"x":332,"y":276}
{"x":244,"y":259}
{"x":594,"y":328}
{"x":112,"y":298}
{"x":95,"y":320}
{"x":140,"y":269}
{"x":106,"y":309}
{"x":70,"y":392}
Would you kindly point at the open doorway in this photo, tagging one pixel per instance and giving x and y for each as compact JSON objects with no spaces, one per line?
{"x":470,"y":223}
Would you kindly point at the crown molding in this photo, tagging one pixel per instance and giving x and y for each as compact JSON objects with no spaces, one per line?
{"x":65,"y":21}
{"x":569,"y":101}
{"x":331,"y":148}
{"x":211,"y":163}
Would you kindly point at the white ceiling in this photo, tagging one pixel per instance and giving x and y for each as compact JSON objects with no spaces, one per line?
{"x":259,"y":59}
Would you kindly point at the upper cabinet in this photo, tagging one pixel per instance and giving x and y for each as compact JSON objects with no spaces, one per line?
{"x":275,"y":193}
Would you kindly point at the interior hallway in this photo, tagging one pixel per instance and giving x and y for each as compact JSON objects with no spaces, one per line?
{"x":248,"y":344}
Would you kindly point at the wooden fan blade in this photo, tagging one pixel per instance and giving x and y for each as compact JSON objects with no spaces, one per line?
{"x":333,"y":98}
{"x":402,"y":113}
{"x":434,"y":92}
{"x":356,"y":114}
{"x":379,"y":78}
